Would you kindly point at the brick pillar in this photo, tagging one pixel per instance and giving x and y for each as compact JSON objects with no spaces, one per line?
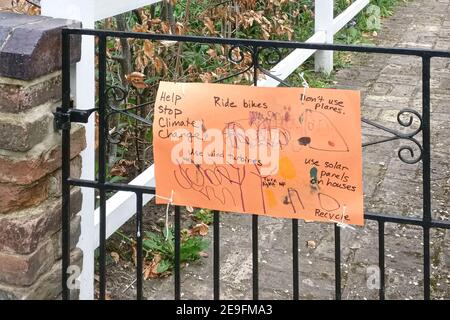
{"x":30,"y":157}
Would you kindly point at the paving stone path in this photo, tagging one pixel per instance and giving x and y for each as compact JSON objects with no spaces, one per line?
{"x":388,"y":83}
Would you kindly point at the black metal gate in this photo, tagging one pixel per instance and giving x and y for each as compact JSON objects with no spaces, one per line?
{"x":66,"y":115}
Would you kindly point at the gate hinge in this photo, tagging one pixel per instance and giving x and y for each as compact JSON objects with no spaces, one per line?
{"x":63,"y":120}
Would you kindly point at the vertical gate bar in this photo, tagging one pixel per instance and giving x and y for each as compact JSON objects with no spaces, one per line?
{"x":337,"y":261}
{"x":139,"y":258}
{"x":426,"y":263}
{"x":102,"y":138}
{"x":295,"y":288}
{"x":65,"y":167}
{"x":177,"y":267}
{"x":255,"y":217}
{"x":216,"y":266}
{"x":426,"y":164}
{"x":255,"y":257}
{"x":381,"y":263}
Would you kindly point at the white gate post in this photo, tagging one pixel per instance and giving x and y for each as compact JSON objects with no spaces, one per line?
{"x":84,"y":85}
{"x":324,"y":22}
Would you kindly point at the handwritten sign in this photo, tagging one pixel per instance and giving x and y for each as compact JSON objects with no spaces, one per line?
{"x":280,"y":152}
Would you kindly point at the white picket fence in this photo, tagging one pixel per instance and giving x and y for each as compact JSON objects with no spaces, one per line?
{"x":122,"y":206}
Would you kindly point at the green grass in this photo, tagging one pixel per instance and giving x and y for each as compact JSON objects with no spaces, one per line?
{"x":204,"y":215}
{"x":163,"y":244}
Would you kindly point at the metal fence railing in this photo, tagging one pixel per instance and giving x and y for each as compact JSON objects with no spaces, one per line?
{"x":122,"y":206}
{"x":419,"y":138}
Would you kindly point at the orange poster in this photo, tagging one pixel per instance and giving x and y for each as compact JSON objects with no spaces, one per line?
{"x":280,"y":152}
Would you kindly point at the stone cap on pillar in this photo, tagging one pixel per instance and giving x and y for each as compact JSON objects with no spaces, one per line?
{"x":30,"y":46}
